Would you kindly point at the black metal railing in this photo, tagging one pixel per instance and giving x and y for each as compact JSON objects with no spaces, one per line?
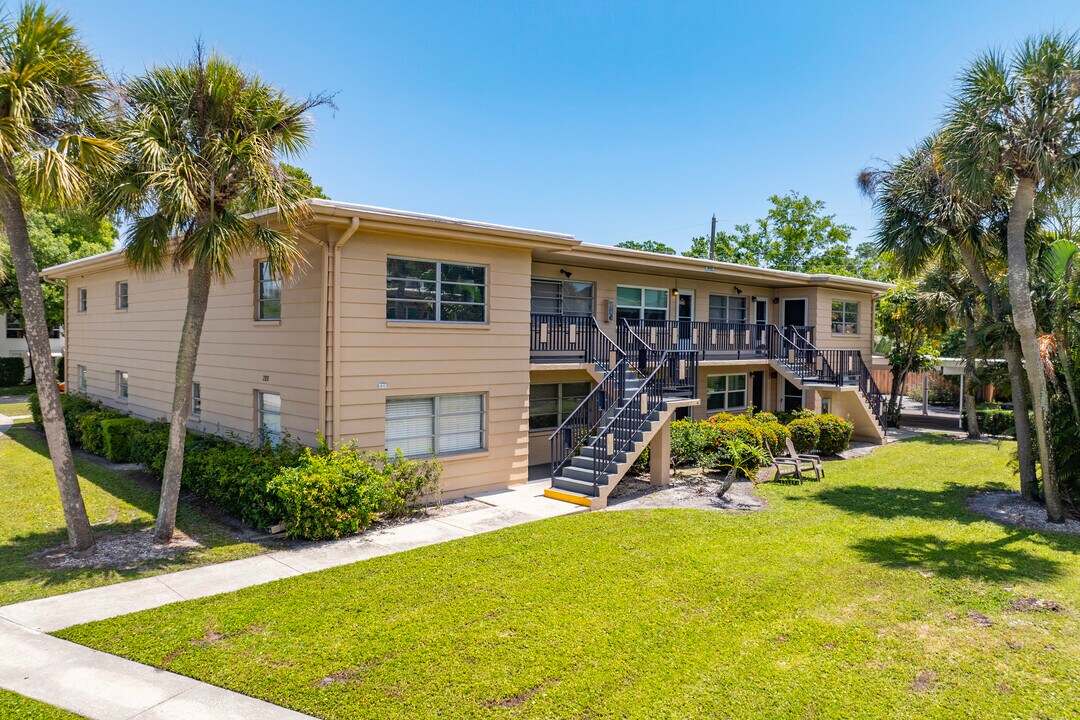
{"x":581,"y":424}
{"x":571,"y":338}
{"x":800,"y":333}
{"x":714,"y":340}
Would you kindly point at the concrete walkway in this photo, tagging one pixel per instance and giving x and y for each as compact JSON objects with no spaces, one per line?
{"x":105,"y":687}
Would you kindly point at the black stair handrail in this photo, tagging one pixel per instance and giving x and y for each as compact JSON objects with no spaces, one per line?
{"x":618,"y":434}
{"x":579,"y":335}
{"x":579,"y":425}
{"x":634,"y":346}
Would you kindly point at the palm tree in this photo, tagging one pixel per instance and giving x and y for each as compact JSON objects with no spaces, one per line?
{"x":200,"y":136}
{"x":1019,"y":119}
{"x":1059,"y":275}
{"x":924,"y":217}
{"x":52,"y":100}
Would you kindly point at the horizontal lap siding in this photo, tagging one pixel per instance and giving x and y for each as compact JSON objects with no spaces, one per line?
{"x":234,"y":356}
{"x":822,"y":314}
{"x":432,"y":359}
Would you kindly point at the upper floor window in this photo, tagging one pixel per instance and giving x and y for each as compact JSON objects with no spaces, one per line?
{"x":845,"y":317}
{"x":268,"y":412}
{"x":439,"y":425}
{"x":727,"y":309}
{"x":435,"y":291}
{"x":562,"y":297}
{"x":267,"y":292}
{"x":725,"y":392}
{"x":122,"y":295}
{"x":121,"y":385}
{"x":196,"y":399}
{"x":80,"y":300}
{"x":551,"y":403}
{"x":638,"y":303}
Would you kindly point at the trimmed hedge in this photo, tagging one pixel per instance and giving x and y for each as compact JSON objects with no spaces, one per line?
{"x":804,"y":434}
{"x":91,"y":437}
{"x":74,"y":407}
{"x":994,"y":421}
{"x":119,"y":436}
{"x":835,"y":434}
{"x":12,"y":371}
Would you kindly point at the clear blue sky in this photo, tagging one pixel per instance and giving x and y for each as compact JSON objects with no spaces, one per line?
{"x":611,"y":121}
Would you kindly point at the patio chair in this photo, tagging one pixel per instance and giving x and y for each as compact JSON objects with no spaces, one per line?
{"x":787,"y":466}
{"x":819,"y":468}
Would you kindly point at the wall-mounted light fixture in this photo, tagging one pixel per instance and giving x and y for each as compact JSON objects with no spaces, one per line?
{"x":675,"y":292}
{"x":776,"y":301}
{"x":737,"y":290}
{"x":566,"y":272}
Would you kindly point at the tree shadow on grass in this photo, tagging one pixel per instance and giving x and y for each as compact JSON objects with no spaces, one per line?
{"x":206,"y":524}
{"x":990,"y":561}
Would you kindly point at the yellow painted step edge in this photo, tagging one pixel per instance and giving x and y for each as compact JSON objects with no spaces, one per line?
{"x":567,"y":497}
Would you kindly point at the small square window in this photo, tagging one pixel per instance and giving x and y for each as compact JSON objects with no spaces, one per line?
{"x":80,"y":303}
{"x":121,"y":296}
{"x":196,"y":399}
{"x":845,"y":317}
{"x":121,"y":385}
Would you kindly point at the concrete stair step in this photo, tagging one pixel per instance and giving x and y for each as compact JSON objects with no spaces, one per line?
{"x":581,"y":487}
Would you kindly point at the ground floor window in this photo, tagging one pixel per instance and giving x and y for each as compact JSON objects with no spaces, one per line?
{"x":439,"y":425}
{"x":551,"y":403}
{"x":726,"y":392}
{"x":269,"y":417}
{"x":121,"y":385}
{"x":82,"y":378}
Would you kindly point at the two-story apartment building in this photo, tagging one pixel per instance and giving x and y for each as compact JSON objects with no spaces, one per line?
{"x":494,"y":348}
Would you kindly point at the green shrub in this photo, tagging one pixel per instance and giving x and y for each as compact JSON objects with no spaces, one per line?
{"x":741,"y":428}
{"x":641,"y":464}
{"x":35,"y":409}
{"x":765,"y":417}
{"x":804,"y":434}
{"x":835,"y":434}
{"x":74,"y":407}
{"x":329,"y":494}
{"x":994,"y":421}
{"x":119,"y":436}
{"x":801,"y":414}
{"x":775,"y":435}
{"x":12,"y":371}
{"x":91,"y":437}
{"x":408,"y":481}
{"x":692,"y":442}
{"x":734,"y":453}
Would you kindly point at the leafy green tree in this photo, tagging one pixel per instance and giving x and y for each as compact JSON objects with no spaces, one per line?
{"x":1017,"y":120}
{"x":249,"y":201}
{"x":909,"y":322}
{"x":199,"y":137}
{"x":53,"y":100}
{"x":647,"y":246}
{"x":55,"y":237}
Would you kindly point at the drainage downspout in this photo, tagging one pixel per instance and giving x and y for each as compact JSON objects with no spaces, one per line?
{"x":336,"y":387}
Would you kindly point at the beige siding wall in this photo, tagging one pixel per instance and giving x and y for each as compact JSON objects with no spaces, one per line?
{"x":821,"y":316}
{"x":237,"y":356}
{"x":422,"y":358}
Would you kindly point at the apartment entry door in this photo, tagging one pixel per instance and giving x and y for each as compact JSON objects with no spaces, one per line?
{"x":685,"y":314}
{"x":757,"y":389}
{"x":794,"y":311}
{"x":793,"y":397}
{"x":761,"y":311}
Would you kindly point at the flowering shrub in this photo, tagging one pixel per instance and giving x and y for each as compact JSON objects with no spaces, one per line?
{"x":804,"y":434}
{"x":774,"y":434}
{"x":835,"y":434}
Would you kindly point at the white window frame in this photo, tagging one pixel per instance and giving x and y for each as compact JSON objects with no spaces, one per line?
{"x":261,"y":413}
{"x":123,"y":295}
{"x":641,"y":307}
{"x":196,"y":399}
{"x":559,"y":297}
{"x":80,"y":372}
{"x":13,"y":329}
{"x":438,"y":299}
{"x":726,"y":392}
{"x":560,"y":397}
{"x":123,"y":385}
{"x":845,"y":322}
{"x":261,"y":295}
{"x":435,"y":434}
{"x":727,"y":308}
{"x":80,"y":300}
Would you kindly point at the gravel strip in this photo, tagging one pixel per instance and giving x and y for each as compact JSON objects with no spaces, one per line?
{"x":1010,"y":508}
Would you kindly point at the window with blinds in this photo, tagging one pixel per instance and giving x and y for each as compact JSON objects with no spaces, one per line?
{"x":555,"y":297}
{"x":727,"y":309}
{"x":440,"y":425}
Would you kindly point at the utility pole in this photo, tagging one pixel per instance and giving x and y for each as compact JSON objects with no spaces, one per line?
{"x":712,"y":239}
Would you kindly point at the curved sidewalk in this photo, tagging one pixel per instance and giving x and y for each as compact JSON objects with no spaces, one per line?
{"x":105,"y":687}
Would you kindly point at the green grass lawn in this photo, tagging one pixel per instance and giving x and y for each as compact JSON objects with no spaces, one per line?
{"x":31,"y":520}
{"x":872,"y":594}
{"x":13,"y":705}
{"x":16,"y":390}
{"x":14,"y":409}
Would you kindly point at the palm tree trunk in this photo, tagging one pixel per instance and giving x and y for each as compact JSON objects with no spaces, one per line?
{"x":190,"y":336}
{"x":1024,"y":456}
{"x":969,"y":375}
{"x":1024,"y":321}
{"x":80,"y":536}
